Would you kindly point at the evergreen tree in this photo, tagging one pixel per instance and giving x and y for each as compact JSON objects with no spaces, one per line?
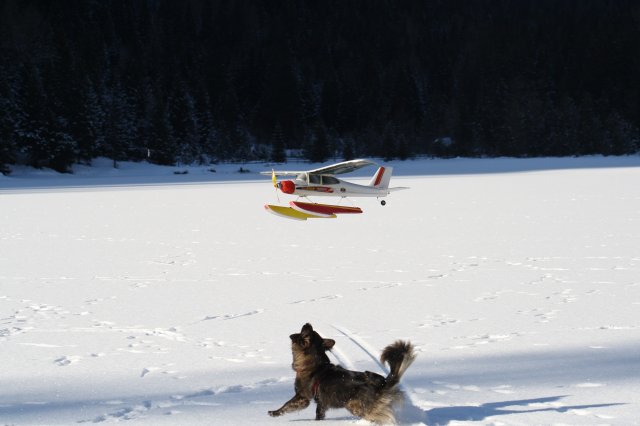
{"x":8,"y":119}
{"x":34,"y":129}
{"x":317,"y":145}
{"x":161,"y":144}
{"x":278,"y":154}
{"x":92,"y":124}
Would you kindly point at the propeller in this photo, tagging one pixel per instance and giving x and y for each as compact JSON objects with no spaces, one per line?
{"x":275,"y":183}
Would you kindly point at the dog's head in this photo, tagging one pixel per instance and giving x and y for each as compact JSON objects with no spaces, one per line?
{"x":309,"y":348}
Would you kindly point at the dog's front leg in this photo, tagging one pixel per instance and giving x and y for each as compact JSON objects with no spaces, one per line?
{"x":321,"y":410}
{"x":298,"y":402}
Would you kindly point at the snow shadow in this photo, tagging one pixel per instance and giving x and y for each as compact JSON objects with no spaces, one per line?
{"x":571,"y":367}
{"x":576,"y":370}
{"x":445,"y":415}
{"x":237,"y":405}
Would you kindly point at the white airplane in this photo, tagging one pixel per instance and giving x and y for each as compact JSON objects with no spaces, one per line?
{"x":322,"y":182}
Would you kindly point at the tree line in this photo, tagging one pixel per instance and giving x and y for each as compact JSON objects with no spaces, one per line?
{"x":239,"y":80}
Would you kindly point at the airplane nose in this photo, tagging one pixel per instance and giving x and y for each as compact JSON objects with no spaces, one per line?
{"x":287,"y":186}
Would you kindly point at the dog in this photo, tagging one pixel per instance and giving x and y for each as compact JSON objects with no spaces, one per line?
{"x":365,"y":394}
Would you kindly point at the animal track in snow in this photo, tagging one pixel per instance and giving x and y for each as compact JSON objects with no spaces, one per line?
{"x":172,"y":405}
{"x":491,"y":296}
{"x":436,"y":321}
{"x":10,"y":331}
{"x":618,"y":327}
{"x":542,"y":315}
{"x":383,"y":285}
{"x":564,"y":296}
{"x":485,"y":339}
{"x":148,"y":370}
{"x":63,"y":361}
{"x":171,"y":333}
{"x":318,"y":299}
{"x":127,"y":413}
{"x":233,"y":316}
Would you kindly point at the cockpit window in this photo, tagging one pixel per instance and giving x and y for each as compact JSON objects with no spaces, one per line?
{"x":314,"y":179}
{"x":329,"y":180}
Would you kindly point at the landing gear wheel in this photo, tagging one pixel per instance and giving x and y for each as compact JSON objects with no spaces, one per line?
{"x":383,"y":202}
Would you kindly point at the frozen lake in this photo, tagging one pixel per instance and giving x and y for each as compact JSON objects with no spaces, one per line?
{"x":141,"y":296}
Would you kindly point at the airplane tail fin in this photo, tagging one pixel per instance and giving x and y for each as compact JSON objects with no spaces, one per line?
{"x":382,"y":178}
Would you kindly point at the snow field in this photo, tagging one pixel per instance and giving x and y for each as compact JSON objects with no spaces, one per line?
{"x":172,"y":304}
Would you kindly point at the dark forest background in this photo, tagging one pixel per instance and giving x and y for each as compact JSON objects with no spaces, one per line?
{"x":239,"y":80}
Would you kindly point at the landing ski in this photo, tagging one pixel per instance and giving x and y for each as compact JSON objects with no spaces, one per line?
{"x":325,"y":210}
{"x":290,"y":213}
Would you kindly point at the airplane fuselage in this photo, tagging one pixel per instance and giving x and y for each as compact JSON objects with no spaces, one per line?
{"x":327,"y":185}
{"x":340,"y":189}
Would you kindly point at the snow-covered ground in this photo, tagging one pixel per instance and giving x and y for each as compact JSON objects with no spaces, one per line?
{"x":140,"y":296}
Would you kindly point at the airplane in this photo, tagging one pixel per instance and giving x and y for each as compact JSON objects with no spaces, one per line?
{"x":323,"y":182}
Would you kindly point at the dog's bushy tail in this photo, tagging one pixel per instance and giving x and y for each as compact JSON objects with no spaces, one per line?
{"x":399,"y":356}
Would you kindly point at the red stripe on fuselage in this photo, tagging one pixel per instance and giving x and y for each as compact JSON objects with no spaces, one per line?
{"x":315,"y":189}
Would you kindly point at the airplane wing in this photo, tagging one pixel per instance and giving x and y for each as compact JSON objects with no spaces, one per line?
{"x":343,"y":167}
{"x":281,"y":173}
{"x":334,"y":169}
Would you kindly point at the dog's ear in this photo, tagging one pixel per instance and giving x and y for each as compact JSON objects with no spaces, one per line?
{"x":327,"y":344}
{"x":301,"y":339}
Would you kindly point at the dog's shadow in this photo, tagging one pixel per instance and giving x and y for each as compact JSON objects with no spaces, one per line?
{"x":441,"y":416}
{"x":337,"y":419}
{"x":444,"y":415}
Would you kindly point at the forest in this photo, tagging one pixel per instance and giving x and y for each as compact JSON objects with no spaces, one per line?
{"x":205,"y":81}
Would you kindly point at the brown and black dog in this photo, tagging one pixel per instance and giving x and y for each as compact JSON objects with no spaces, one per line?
{"x":365,"y":394}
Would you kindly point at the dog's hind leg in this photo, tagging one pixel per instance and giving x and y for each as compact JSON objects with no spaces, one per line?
{"x":298,"y":402}
{"x":355,"y":407}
